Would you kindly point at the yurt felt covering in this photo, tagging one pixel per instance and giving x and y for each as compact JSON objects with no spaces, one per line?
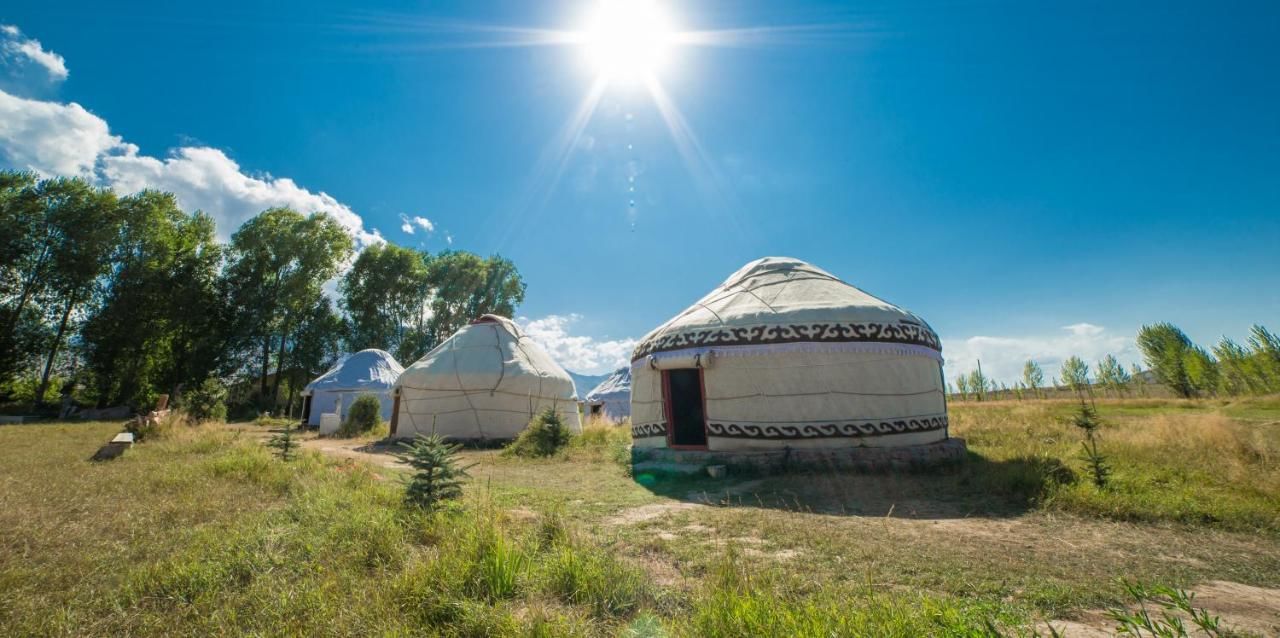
{"x":369,"y":371}
{"x":484,"y":382}
{"x":791,"y":356}
{"x":613,"y":396}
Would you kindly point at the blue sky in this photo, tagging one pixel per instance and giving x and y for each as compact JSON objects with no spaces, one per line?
{"x":1034,"y":179}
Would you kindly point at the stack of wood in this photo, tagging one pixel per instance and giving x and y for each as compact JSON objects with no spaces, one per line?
{"x":145,"y":422}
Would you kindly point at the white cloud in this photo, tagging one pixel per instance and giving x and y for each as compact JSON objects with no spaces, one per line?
{"x":14,"y":45}
{"x":584,"y":355}
{"x":1003,"y":357}
{"x":53,"y":138}
{"x":410,"y":224}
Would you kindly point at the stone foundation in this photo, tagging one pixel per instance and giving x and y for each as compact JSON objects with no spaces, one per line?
{"x":855,"y":459}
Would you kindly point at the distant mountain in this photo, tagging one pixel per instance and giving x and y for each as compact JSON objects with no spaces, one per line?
{"x":585,"y":383}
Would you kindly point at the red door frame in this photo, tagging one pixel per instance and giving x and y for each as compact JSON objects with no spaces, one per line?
{"x":671,"y":422}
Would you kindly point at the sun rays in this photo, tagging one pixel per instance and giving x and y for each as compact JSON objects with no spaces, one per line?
{"x":628,"y":46}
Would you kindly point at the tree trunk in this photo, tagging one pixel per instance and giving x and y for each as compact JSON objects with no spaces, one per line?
{"x":288,"y":406}
{"x":27,"y":287}
{"x":275,"y":383}
{"x":53,"y":350}
{"x":266,"y":360}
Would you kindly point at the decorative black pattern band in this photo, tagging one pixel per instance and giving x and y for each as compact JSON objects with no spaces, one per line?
{"x":901,"y":331}
{"x":645,"y":430}
{"x":825,"y":430}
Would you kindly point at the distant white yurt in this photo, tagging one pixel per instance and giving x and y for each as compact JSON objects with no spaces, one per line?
{"x":483,"y":383}
{"x":369,"y":371}
{"x":611,"y":399}
{"x":785,"y":355}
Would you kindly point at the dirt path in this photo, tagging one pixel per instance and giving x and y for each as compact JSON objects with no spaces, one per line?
{"x":362,"y":449}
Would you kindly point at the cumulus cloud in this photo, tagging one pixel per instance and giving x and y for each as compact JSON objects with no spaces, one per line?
{"x":53,"y":138}
{"x":14,"y":45}
{"x":410,"y":224}
{"x":584,"y":355}
{"x":1003,"y":357}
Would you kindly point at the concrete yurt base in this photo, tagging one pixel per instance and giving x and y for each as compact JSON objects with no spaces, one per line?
{"x":855,"y":459}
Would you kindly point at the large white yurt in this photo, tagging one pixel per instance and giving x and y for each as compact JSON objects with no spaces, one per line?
{"x":786,"y":355}
{"x":369,"y":371}
{"x":483,"y":383}
{"x":611,"y":399}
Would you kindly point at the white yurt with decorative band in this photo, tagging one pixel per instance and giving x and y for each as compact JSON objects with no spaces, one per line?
{"x":611,"y":400}
{"x":369,"y":371}
{"x":486,"y":382}
{"x":786,"y":355}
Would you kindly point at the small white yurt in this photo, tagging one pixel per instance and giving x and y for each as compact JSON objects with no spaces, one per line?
{"x":483,"y":383}
{"x":369,"y":371}
{"x":611,"y":399}
{"x":786,"y":355}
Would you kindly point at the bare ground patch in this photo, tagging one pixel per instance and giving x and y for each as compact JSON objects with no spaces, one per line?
{"x":1242,"y":608}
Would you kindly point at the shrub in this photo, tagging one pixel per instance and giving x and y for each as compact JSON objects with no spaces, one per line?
{"x":207,"y":402}
{"x":364,"y":416}
{"x":545,"y":436}
{"x":437,"y":475}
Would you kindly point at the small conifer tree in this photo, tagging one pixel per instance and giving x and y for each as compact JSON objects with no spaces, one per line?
{"x":284,"y":444}
{"x":437,"y":475}
{"x":1086,"y":418}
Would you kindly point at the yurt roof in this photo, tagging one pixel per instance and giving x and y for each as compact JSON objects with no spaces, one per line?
{"x":616,"y":385}
{"x":473,"y":354}
{"x":370,"y":369}
{"x":781,"y":300}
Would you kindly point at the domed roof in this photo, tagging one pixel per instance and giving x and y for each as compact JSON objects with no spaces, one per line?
{"x":484,"y":382}
{"x":493,"y":353}
{"x":370,"y":369}
{"x":617,"y":385}
{"x":782,"y":300}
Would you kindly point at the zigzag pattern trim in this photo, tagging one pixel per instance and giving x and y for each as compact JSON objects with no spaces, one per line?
{"x":846,"y":429}
{"x":903,"y":331}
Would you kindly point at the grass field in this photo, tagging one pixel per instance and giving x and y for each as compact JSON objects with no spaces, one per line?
{"x":203,"y":532}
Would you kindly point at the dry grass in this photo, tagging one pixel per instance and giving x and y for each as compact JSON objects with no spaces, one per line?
{"x":202,"y":532}
{"x":1189,"y":462}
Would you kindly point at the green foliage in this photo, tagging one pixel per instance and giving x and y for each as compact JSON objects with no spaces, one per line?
{"x":159,"y":325}
{"x":579,"y":575}
{"x":1202,"y":371}
{"x":1075,"y":373}
{"x":1086,"y":418}
{"x":364,"y":416}
{"x":285,"y":444}
{"x":277,"y":263}
{"x":1173,"y":605}
{"x":545,"y":435}
{"x":466,"y":286}
{"x":1112,"y":375}
{"x":437,"y":474}
{"x":208,"y":402}
{"x":962,"y":384}
{"x":979,"y":383}
{"x":385,"y":295}
{"x":58,"y":236}
{"x":1032,"y":376}
{"x":1165,"y":348}
{"x":737,"y":602}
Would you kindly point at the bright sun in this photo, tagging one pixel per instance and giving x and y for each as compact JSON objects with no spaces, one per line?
{"x":627,"y":40}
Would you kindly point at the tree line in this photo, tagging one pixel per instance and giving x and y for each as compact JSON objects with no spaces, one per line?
{"x":1173,"y":360}
{"x":119,"y":299}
